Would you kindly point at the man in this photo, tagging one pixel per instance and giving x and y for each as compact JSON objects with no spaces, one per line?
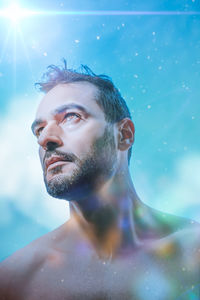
{"x":114,"y":246}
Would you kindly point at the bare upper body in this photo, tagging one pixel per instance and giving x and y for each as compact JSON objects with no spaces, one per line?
{"x":64,"y":264}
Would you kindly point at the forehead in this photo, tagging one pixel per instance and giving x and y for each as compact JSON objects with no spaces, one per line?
{"x":81,"y":93}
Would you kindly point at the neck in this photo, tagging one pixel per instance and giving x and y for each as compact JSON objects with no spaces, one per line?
{"x":106,"y":217}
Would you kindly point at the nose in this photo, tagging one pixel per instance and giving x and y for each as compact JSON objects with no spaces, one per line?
{"x":49,"y":138}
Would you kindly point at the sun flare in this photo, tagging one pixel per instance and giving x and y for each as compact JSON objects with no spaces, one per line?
{"x":14,"y":12}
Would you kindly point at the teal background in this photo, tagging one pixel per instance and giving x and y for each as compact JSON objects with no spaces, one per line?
{"x":152,"y":57}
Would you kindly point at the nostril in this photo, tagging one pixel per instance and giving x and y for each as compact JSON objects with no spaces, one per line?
{"x":51,"y":146}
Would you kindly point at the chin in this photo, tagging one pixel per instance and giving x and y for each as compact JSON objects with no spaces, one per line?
{"x":57,"y":171}
{"x":61,"y":186}
{"x":69,"y":188}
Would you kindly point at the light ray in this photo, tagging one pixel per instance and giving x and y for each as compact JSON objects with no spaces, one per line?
{"x":14,"y":59}
{"x":25,"y":49}
{"x":18,"y":13}
{"x":114,"y":13}
{"x":5,"y":43}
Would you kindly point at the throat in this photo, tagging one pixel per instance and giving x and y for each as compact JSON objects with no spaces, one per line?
{"x":110,"y":230}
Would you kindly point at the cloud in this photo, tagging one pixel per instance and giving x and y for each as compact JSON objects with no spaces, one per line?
{"x":21,"y":176}
{"x":178,"y":192}
{"x":181,"y":192}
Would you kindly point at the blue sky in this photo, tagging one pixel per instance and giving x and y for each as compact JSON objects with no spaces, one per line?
{"x":155,"y":62}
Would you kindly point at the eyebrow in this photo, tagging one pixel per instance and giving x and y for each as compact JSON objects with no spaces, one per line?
{"x":59,"y":110}
{"x":65,"y":107}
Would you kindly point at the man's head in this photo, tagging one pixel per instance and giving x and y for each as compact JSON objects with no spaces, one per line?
{"x":78,"y":128}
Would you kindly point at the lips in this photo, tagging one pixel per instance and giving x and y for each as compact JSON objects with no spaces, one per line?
{"x":54,"y":160}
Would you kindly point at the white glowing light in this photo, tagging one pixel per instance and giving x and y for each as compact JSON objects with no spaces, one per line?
{"x":14,"y":12}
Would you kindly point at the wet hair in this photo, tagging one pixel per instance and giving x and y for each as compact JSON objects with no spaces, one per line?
{"x":108,"y":98}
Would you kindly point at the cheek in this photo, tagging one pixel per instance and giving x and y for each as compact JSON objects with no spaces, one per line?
{"x":80,"y":143}
{"x":88,"y":139}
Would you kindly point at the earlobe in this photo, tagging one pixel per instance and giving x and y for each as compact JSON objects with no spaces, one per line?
{"x":126,"y":132}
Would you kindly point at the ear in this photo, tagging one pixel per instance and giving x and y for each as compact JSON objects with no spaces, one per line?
{"x":126,"y":134}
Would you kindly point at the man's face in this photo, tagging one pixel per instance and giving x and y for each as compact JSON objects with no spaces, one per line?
{"x":77,"y":146}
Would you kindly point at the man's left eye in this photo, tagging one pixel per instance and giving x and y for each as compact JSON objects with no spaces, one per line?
{"x":71,"y":116}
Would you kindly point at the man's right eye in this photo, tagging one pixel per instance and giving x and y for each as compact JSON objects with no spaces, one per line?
{"x":38,"y":131}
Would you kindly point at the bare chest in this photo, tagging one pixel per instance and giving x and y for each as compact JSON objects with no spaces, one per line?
{"x":140,"y":277}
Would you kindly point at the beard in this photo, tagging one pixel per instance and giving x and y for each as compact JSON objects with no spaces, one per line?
{"x":90,"y":172}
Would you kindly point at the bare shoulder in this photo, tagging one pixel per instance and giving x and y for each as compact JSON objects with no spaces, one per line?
{"x":178,"y":239}
{"x":17,"y":269}
{"x":167,"y":224}
{"x":185,"y":231}
{"x":181,"y":247}
{"x":189,"y":236}
{"x":182,"y":231}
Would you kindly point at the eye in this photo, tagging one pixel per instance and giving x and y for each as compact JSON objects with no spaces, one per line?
{"x":71,"y":116}
{"x":38,"y":131}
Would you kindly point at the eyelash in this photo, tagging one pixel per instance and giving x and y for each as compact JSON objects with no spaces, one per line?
{"x":39,"y":130}
{"x":71,"y":114}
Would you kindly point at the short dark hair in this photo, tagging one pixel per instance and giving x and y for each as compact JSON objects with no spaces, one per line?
{"x":108,"y":98}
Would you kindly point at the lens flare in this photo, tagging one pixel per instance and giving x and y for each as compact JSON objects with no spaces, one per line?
{"x":14,"y":12}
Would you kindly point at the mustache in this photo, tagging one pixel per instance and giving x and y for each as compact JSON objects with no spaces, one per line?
{"x":63,"y":155}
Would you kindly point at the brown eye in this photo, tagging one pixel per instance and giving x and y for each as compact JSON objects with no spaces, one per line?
{"x":71,"y":116}
{"x":38,"y":131}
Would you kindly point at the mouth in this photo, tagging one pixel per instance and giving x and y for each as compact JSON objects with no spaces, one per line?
{"x":54,"y":162}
